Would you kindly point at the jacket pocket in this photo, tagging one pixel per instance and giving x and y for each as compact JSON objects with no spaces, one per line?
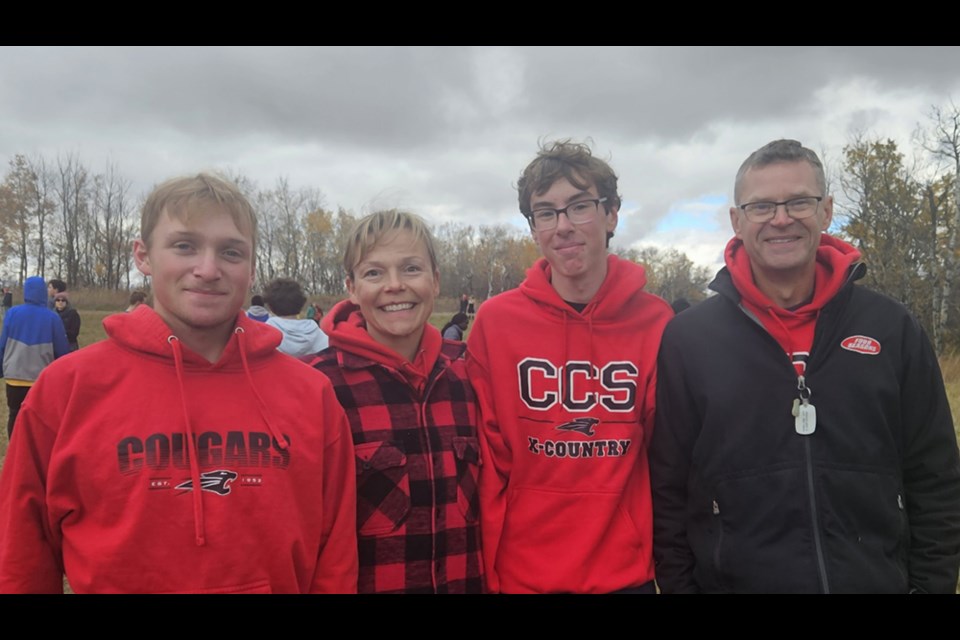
{"x":383,"y":488}
{"x":467,"y":453}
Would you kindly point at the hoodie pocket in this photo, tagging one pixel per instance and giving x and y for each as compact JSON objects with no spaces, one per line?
{"x":383,"y":488}
{"x":467,"y":452}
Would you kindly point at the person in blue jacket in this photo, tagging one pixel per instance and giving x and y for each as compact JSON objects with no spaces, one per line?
{"x":32,"y":337}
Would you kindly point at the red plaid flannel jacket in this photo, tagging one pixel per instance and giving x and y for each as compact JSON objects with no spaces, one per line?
{"x":417,"y":463}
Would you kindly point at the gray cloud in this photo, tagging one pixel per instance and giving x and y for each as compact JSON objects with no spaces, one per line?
{"x":446,"y":130}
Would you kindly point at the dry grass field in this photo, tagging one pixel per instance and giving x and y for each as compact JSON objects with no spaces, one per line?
{"x":100,"y":307}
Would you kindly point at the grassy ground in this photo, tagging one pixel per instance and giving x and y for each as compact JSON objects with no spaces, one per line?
{"x":92,"y":331}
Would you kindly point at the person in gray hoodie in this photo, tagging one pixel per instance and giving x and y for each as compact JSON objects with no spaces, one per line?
{"x":301,"y":337}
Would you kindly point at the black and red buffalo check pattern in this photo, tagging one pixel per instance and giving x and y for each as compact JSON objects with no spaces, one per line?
{"x":417,"y":461}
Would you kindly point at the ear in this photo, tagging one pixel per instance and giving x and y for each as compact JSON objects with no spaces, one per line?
{"x":141,"y":257}
{"x":735,"y":221}
{"x":613,"y":217}
{"x":436,"y":283}
{"x":827,"y":213}
{"x":351,"y":290}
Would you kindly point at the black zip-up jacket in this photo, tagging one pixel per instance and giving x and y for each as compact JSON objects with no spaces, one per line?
{"x":869,"y":502}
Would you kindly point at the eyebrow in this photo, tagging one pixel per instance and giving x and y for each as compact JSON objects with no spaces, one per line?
{"x":192,"y":235}
{"x":543,"y":204}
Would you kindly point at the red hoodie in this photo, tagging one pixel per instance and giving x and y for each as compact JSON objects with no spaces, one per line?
{"x":793,"y":328}
{"x":99,"y":478}
{"x":567,"y":404}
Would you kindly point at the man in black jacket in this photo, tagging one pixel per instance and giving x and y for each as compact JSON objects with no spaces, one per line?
{"x":804,"y":442}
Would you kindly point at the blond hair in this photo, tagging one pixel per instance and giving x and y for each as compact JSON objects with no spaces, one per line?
{"x":370,"y":230}
{"x":184,"y":197}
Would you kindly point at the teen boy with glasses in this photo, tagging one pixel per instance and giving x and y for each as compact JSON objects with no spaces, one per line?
{"x":564,"y":368}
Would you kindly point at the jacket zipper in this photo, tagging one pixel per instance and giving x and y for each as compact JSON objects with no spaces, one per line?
{"x":818,"y":544}
{"x":808,"y":455}
{"x":716,"y":550}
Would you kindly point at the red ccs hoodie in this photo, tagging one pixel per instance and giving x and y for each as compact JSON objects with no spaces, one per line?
{"x":138,"y":466}
{"x":567,"y":405}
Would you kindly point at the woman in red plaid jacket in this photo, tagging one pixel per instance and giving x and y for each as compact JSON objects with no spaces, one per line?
{"x":412,"y":411}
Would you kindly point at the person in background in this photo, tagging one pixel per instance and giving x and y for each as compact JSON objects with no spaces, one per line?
{"x":301,"y":337}
{"x":137,"y":298}
{"x":70,"y":318}
{"x":312,"y":312}
{"x":412,"y":412}
{"x":54,"y":287}
{"x":457,"y":326}
{"x":7,"y":302}
{"x":32,"y":338}
{"x":257,"y":311}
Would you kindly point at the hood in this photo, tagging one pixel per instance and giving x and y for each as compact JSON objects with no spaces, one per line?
{"x":620,"y":304}
{"x":35,"y":291}
{"x":794,"y":328}
{"x":296,"y":329}
{"x":257,"y":310}
{"x":624,"y":282}
{"x":833,"y":261}
{"x":144,"y":331}
{"x":301,"y":337}
{"x":347,"y":330}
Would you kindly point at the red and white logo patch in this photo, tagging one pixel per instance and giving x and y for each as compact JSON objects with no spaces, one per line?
{"x":861,"y":344}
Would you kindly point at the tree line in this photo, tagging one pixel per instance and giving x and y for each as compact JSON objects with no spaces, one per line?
{"x":60,"y":218}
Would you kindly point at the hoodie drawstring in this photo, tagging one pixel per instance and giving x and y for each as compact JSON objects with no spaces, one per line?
{"x":198,"y":525}
{"x":198,"y":518}
{"x":261,"y":405}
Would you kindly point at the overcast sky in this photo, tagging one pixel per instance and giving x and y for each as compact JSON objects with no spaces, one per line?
{"x":445,"y":131}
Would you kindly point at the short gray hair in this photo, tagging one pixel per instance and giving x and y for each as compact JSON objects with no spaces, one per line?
{"x":780,"y":151}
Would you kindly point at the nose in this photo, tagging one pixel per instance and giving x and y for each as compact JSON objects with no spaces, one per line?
{"x":207,"y":266}
{"x":563,"y":223}
{"x":394,"y":282}
{"x":781,"y":220}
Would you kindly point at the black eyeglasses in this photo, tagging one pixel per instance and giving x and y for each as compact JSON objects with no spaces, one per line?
{"x":797,"y":208}
{"x":577,"y":212}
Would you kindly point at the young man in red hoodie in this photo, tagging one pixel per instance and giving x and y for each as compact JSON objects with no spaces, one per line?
{"x":804,"y":442}
{"x":184,"y":453}
{"x":564,"y":368}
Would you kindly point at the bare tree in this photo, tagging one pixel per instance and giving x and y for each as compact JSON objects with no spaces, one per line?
{"x":72,"y":191}
{"x":111,"y":227}
{"x":43,"y":208}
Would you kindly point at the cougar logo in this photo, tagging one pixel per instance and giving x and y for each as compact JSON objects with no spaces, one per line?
{"x":215,"y":481}
{"x":583,"y":425}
